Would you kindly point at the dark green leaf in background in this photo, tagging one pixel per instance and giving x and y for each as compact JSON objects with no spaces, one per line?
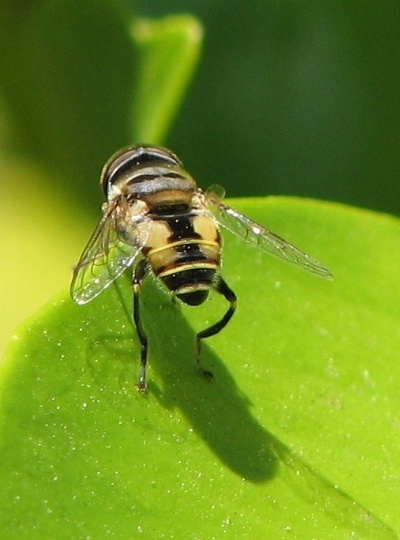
{"x":69,"y":93}
{"x":169,"y":52}
{"x":296,"y":98}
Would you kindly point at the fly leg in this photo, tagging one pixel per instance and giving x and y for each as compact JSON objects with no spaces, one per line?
{"x":138,"y":276}
{"x":222,"y":288}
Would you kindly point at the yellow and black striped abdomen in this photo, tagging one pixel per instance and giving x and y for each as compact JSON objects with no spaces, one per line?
{"x":184,"y":251}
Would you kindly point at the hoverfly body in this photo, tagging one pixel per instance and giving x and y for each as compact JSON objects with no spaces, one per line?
{"x":157,"y":220}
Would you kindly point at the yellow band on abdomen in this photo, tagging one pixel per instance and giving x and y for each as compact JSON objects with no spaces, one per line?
{"x":184,"y":267}
{"x":183,"y":242}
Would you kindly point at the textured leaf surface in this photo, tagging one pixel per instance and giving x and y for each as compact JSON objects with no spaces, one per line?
{"x":305,"y":398}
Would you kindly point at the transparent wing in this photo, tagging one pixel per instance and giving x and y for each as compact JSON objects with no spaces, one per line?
{"x":263,"y":238}
{"x":105,"y":257}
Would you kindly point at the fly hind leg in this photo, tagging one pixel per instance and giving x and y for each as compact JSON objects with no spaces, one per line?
{"x":138,"y":276}
{"x":222,"y":288}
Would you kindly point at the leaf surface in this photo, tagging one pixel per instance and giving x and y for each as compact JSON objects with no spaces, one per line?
{"x":305,"y":398}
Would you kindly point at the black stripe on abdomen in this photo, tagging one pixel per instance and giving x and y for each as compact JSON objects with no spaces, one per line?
{"x":189,"y":277}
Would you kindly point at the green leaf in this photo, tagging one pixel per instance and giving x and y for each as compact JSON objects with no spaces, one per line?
{"x":305,"y":398}
{"x":169,"y":51}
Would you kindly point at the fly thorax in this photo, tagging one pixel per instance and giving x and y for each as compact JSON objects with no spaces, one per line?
{"x":136,"y":209}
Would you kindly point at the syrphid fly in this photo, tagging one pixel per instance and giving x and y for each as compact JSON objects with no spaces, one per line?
{"x":158,"y":221}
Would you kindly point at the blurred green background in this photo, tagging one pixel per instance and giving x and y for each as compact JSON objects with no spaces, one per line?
{"x":294,"y":97}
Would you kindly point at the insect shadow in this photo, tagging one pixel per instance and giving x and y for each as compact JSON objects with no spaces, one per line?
{"x":216,"y":409}
{"x":221,"y":414}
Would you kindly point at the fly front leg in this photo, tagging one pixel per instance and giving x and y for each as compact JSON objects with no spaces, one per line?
{"x":138,"y":276}
{"x":222,"y":288}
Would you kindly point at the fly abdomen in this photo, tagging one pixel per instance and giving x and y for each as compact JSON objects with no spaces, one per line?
{"x":187,"y":266}
{"x":186,"y":259}
{"x":190,"y":283}
{"x":180,"y":253}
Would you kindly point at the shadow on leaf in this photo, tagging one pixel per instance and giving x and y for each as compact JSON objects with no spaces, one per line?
{"x":220,"y":414}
